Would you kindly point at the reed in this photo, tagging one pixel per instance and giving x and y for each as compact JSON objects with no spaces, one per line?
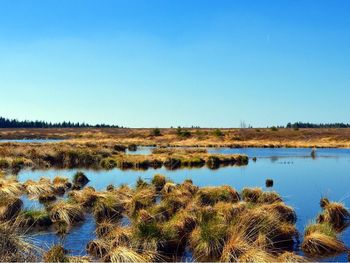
{"x":56,"y":253}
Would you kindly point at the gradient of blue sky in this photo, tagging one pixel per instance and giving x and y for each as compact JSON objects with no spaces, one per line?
{"x":175,"y":62}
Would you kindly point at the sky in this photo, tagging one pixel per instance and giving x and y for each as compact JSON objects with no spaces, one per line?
{"x":162,"y":63}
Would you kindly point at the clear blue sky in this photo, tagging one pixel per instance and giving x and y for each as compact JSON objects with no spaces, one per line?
{"x":175,"y":62}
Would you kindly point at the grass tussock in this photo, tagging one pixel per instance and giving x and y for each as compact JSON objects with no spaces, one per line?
{"x":10,"y":207}
{"x":35,"y":189}
{"x":214,"y":223}
{"x":108,"y":207}
{"x":334,"y":213}
{"x":321,"y":240}
{"x":212,"y":195}
{"x":66,"y":212}
{"x":56,"y":253}
{"x":14,"y":246}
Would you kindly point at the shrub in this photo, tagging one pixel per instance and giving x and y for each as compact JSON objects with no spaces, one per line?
{"x":155,"y":132}
{"x":183,"y":133}
{"x":274,"y":128}
{"x":218,"y":133}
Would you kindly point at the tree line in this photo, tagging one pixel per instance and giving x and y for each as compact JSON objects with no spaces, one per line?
{"x":13,"y":123}
{"x":297,"y":125}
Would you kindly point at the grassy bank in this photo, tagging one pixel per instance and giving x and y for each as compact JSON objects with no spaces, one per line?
{"x":104,"y":155}
{"x":261,"y":137}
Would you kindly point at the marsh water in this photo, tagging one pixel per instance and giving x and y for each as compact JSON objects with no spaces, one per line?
{"x":300,"y":179}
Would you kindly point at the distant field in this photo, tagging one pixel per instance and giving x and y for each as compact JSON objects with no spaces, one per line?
{"x":194,"y":137}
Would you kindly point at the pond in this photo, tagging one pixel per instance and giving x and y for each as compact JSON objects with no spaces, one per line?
{"x":300,"y":179}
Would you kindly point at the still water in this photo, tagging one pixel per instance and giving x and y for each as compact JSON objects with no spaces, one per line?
{"x":300,"y":179}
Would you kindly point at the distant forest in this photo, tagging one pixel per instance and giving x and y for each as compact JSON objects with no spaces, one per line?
{"x":313,"y":125}
{"x":8,"y":123}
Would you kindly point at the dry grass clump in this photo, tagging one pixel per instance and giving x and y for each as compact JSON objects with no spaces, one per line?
{"x":212,"y":195}
{"x":126,"y":254}
{"x":56,"y":253}
{"x":290,"y":257}
{"x":35,"y":219}
{"x":10,"y":207}
{"x":251,"y":194}
{"x":322,"y":240}
{"x":35,"y":189}
{"x":257,"y":195}
{"x":98,"y":248}
{"x":159,"y":181}
{"x":86,"y":197}
{"x":209,"y":236}
{"x":256,"y":255}
{"x":335,"y":214}
{"x":66,"y":212}
{"x":14,"y":246}
{"x":177,"y":199}
{"x":143,"y":197}
{"x":108,"y":207}
{"x":10,"y":187}
{"x":285,"y":212}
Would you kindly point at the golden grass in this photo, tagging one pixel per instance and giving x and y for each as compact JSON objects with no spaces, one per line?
{"x":214,"y":222}
{"x":55,"y":254}
{"x":36,"y":189}
{"x":63,"y":211}
{"x":14,"y":246}
{"x":322,"y":240}
{"x":261,"y":137}
{"x":335,"y":214}
{"x":10,"y":187}
{"x":124,"y":254}
{"x":108,"y":207}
